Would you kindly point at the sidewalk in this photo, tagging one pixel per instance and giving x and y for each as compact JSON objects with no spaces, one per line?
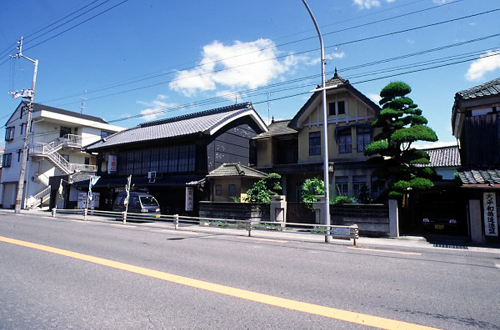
{"x":402,"y":243}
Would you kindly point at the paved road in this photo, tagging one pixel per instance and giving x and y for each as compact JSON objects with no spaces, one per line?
{"x":70,"y":274}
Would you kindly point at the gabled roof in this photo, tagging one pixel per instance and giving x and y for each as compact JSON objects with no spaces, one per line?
{"x":205,"y":122}
{"x":337,"y":82}
{"x":443,"y":157}
{"x":277,"y":128}
{"x":235,"y":170}
{"x":490,"y":88}
{"x":37,"y":107}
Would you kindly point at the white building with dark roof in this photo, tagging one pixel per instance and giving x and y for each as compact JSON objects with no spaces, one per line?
{"x":55,"y":141}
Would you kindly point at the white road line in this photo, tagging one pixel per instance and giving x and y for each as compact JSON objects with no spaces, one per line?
{"x":386,"y":251}
{"x":263,"y":239}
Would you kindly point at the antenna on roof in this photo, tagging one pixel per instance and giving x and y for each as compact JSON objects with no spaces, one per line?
{"x":82,"y":103}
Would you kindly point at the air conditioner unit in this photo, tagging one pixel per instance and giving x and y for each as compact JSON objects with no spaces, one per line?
{"x":152,"y":175}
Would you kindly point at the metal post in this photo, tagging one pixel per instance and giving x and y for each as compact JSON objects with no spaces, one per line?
{"x":176,"y":221}
{"x":29,"y":94}
{"x":326,"y":178}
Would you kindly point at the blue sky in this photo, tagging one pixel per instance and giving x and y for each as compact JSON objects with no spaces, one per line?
{"x":152,"y":59}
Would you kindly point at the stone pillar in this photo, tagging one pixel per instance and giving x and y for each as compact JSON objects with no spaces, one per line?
{"x":476,"y":226}
{"x":393,"y":218}
{"x":278,"y":209}
{"x":319,"y":207}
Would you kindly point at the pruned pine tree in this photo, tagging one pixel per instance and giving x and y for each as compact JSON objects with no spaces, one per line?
{"x":401,"y":123}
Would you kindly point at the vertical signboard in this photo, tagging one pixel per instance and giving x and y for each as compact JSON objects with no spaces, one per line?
{"x":112,"y":164}
{"x":189,"y":198}
{"x":490,"y":214}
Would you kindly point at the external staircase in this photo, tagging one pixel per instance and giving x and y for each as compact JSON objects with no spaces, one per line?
{"x":50,"y":152}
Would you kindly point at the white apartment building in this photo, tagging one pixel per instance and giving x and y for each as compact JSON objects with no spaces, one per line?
{"x":56,"y":138}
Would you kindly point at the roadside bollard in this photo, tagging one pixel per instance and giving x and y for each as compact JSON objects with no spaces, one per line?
{"x":84,"y":214}
{"x":176,"y":221}
{"x":354,"y":233}
{"x":249,"y":228}
{"x":54,"y":212}
{"x":124,"y":217}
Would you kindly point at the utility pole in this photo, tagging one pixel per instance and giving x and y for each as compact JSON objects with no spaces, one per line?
{"x":326,"y":178}
{"x":30,"y":95}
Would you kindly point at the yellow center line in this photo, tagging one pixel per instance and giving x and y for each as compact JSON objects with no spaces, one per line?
{"x":333,"y":313}
{"x":386,"y":251}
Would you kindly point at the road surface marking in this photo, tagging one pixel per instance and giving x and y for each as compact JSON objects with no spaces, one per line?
{"x":262,"y":239}
{"x":387,"y":251}
{"x":329,"y":312}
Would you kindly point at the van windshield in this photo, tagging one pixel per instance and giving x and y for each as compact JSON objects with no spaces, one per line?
{"x":149,"y":201}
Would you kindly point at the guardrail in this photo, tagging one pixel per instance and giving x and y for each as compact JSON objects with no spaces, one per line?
{"x":184,"y":222}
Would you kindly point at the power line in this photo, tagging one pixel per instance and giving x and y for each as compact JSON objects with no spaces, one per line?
{"x":71,"y":28}
{"x":61,"y":19}
{"x":119,"y":84}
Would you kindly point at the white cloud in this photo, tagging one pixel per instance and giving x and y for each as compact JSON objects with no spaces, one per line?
{"x":374,"y":97}
{"x":410,"y":41}
{"x":367,"y":4}
{"x":156,"y":107}
{"x":486,"y":63}
{"x":242,"y":64}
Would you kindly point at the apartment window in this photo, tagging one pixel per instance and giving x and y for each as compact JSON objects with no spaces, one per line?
{"x":342,"y":185}
{"x":336,"y":108}
{"x":7,"y":160}
{"x":87,"y":161}
{"x":344,"y":140}
{"x":9,"y":133}
{"x":363,"y":137}
{"x":19,"y":153}
{"x":22,"y":128}
{"x":359,"y":186}
{"x":232,"y":190}
{"x":314,"y":143}
{"x":218,"y":190}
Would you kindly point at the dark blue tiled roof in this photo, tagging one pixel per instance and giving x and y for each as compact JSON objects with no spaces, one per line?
{"x":195,"y":123}
{"x":487,"y":89}
{"x":277,"y":128}
{"x":490,"y":177}
{"x":443,"y":157}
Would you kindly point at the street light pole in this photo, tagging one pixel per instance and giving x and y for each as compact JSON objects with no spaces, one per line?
{"x":27,"y":94}
{"x":326,"y":179}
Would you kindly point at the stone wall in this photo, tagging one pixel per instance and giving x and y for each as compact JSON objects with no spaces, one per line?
{"x":372,"y":219}
{"x":239,"y":211}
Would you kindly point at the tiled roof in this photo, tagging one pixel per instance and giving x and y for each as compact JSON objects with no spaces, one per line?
{"x":336,"y":80}
{"x":235,"y":170}
{"x":443,"y":157}
{"x":490,"y":177}
{"x":195,"y":123}
{"x":277,"y":128}
{"x":487,"y":89}
{"x":38,"y":107}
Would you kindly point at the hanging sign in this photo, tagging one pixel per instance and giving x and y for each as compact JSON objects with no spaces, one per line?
{"x":112,"y":164}
{"x":490,"y":214}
